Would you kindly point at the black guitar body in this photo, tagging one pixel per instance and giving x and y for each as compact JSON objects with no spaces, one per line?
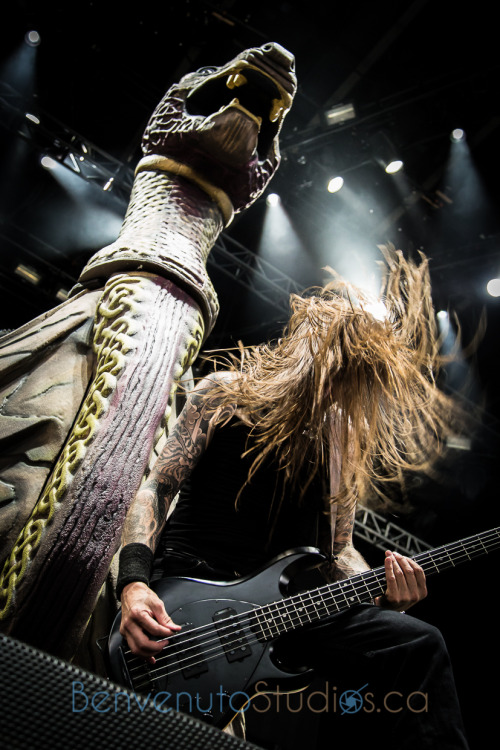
{"x":214,"y":678}
{"x":225,"y":653}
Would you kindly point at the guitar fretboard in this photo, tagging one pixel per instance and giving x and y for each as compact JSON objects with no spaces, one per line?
{"x":301,"y":609}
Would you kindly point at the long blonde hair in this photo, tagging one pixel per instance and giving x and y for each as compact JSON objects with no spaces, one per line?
{"x":340,"y":374}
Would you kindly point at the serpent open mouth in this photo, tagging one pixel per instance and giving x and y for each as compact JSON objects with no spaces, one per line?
{"x":244,"y":87}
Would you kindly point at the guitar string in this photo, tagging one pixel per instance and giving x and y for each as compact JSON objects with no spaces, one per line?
{"x":310,"y":607}
{"x":232,"y":621}
{"x":206,"y":657}
{"x":215,"y":652}
{"x":345,"y":584}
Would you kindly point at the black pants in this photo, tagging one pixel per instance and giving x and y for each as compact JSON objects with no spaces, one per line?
{"x":388,"y":677}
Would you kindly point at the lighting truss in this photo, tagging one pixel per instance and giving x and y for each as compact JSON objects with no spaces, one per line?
{"x":245,"y":268}
{"x":373,"y":528}
{"x":63,"y":144}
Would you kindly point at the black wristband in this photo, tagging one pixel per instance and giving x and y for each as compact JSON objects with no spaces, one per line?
{"x":135,"y":564}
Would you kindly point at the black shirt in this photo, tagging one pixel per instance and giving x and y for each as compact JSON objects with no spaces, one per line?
{"x":206,"y":523}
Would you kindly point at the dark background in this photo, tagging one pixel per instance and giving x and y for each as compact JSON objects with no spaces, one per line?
{"x":413,"y":71}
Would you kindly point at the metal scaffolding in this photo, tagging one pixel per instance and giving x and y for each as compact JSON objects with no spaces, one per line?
{"x":256,"y":274}
{"x":20,"y":115}
{"x":373,"y":528}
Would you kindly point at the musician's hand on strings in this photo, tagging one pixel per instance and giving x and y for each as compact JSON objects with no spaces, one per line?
{"x":405,"y":583}
{"x":145,"y":624}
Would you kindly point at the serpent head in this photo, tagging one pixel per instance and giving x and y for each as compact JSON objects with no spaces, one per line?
{"x":223,"y":123}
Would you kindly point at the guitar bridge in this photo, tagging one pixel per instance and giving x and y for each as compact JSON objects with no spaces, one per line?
{"x":231,"y":635}
{"x":138,"y":671}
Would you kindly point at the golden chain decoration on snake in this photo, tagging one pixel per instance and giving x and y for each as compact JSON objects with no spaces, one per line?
{"x":193,"y":346}
{"x":114,"y":329}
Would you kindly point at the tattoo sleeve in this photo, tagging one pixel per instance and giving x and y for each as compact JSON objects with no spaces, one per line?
{"x":186,"y":443}
{"x":348,"y":561}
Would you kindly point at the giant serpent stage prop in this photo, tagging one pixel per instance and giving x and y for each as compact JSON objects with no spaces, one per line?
{"x":86,"y":387}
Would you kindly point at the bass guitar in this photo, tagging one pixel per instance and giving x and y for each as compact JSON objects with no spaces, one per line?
{"x":213,"y":666}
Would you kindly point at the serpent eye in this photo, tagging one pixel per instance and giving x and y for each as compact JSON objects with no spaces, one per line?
{"x":206,"y":71}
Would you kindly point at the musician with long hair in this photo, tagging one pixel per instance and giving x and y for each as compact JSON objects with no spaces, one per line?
{"x":274,"y":451}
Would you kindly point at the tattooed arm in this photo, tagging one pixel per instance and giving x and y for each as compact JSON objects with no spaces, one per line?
{"x":405,"y":579}
{"x":348,"y":561}
{"x":143,"y":612}
{"x":188,"y":440}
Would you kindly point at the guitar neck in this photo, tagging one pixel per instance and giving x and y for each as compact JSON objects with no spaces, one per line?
{"x":451,"y":555}
{"x":317,"y":604}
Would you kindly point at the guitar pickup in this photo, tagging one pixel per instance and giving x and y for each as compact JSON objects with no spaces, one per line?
{"x":231,"y":635}
{"x":193,"y":664}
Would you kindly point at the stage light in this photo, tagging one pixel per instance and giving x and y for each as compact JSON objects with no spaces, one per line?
{"x":385,"y":153}
{"x":109,"y":184}
{"x":394,"y":166}
{"x":272,"y":199}
{"x":493,"y":287}
{"x":442,"y":315}
{"x":457,"y":134}
{"x":32,"y":118}
{"x":32,"y":38}
{"x":339,"y":114}
{"x":335,"y":184}
{"x":48,"y":162}
{"x":28,"y":273}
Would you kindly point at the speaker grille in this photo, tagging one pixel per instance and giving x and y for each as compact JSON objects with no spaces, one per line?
{"x":48,"y":703}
